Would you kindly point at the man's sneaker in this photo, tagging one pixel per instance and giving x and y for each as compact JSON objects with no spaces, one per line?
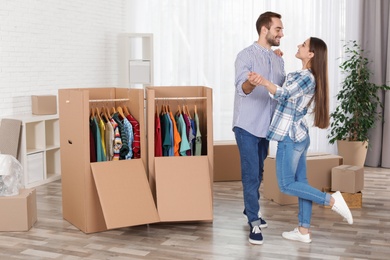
{"x":297,"y":236}
{"x":263,"y":224}
{"x":341,"y":207}
{"x":255,"y":236}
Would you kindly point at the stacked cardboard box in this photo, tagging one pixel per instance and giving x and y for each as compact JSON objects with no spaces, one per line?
{"x":226,"y":161}
{"x":349,"y":180}
{"x":319,"y":168}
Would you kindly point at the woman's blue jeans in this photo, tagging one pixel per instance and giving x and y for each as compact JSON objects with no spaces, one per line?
{"x":292,"y":180}
{"x":253,"y":151}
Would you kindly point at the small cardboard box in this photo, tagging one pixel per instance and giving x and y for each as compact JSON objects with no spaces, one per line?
{"x":353,"y":200}
{"x":347,"y":178}
{"x":44,"y":105}
{"x":319,"y":168}
{"x":226,"y":161}
{"x":19,"y":212}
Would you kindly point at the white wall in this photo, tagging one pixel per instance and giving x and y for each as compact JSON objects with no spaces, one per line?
{"x":46,"y":45}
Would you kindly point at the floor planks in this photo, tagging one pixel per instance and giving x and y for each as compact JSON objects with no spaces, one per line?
{"x":224,"y":238}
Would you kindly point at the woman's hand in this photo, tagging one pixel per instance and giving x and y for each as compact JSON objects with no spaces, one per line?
{"x":256,"y":79}
{"x":278,"y":52}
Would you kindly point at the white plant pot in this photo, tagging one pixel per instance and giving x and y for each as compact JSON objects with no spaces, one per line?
{"x":353,"y":152}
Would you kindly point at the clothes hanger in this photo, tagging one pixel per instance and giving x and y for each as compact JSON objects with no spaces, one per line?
{"x":107,"y":112}
{"x":113,"y":110}
{"x":178,"y":110}
{"x":188,"y":112}
{"x":92,"y":114}
{"x":120,"y":112}
{"x":98,"y":113}
{"x":104,"y":114}
{"x":126,"y":110}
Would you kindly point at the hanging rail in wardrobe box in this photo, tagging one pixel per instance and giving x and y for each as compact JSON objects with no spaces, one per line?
{"x":101,"y":195}
{"x":182,"y":185}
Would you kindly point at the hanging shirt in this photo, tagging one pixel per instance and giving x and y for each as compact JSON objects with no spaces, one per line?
{"x":188,"y":131}
{"x":117,"y":140}
{"x":100,"y":157}
{"x":181,"y":127}
{"x":128,"y":128}
{"x":171,"y":141}
{"x":165,"y":134}
{"x":136,"y":145}
{"x":176,"y":136}
{"x":92,"y":146}
{"x":157,"y":136}
{"x":123,"y":135}
{"x":102,"y":129}
{"x":198,"y":136}
{"x":109,"y":137}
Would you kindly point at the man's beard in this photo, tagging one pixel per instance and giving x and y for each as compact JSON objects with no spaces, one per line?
{"x":272,"y":41}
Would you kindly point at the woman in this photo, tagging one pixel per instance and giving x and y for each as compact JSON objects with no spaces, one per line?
{"x":289,"y":128}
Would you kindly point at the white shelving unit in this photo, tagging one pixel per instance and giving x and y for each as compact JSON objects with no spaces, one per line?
{"x":39,"y":149}
{"x":135,"y":60}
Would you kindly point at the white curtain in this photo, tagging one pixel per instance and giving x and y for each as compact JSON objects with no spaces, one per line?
{"x":196,"y":42}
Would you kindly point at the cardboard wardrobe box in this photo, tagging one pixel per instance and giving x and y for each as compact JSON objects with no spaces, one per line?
{"x":19,"y":212}
{"x":319,"y":167}
{"x":99,"y":196}
{"x":44,"y":105}
{"x":182,"y":185}
{"x":347,"y":178}
{"x":227,"y":165}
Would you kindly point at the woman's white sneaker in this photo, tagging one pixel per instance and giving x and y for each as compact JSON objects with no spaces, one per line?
{"x":297,"y":236}
{"x":341,"y":207}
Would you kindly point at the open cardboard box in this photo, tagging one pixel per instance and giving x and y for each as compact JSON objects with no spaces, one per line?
{"x":101,"y":195}
{"x":319,"y":168}
{"x":182,"y":185}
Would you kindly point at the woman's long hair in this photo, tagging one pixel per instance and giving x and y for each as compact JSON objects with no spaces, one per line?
{"x":319,"y":68}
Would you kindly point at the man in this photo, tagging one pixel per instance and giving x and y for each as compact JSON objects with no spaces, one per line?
{"x":253,"y":110}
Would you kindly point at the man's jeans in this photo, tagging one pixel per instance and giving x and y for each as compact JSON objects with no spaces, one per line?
{"x":253,"y":150}
{"x":292,"y":180}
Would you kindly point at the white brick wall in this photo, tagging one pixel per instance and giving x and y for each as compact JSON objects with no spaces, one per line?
{"x":46,"y":45}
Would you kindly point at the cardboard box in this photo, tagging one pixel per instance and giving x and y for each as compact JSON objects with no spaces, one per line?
{"x":353,"y":200}
{"x":319,"y":168}
{"x":44,"y":105}
{"x":227,"y":165}
{"x":182,"y":185}
{"x":19,"y":212}
{"x":347,"y":178}
{"x":102,"y":195}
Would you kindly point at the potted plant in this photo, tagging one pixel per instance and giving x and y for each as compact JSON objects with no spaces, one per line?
{"x":357,"y":109}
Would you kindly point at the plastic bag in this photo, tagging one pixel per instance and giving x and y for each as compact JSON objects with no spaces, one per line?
{"x":11,"y":173}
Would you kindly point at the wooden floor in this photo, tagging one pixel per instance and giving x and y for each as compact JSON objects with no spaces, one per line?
{"x":225,"y":238}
